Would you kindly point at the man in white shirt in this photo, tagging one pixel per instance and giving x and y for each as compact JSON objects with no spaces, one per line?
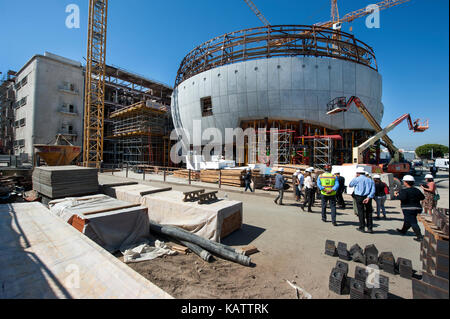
{"x":309,"y":191}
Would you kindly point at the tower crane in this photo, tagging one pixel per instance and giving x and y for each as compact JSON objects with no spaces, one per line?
{"x":336,"y":22}
{"x":94,"y":100}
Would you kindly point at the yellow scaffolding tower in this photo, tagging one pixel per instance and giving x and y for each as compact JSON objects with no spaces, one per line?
{"x":95,"y":84}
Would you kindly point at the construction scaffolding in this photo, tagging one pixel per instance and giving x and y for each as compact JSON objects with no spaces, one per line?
{"x":141,"y":132}
{"x":124,"y":89}
{"x":323,"y":152}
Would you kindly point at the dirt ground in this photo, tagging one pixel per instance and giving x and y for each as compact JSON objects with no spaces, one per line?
{"x":189,"y":277}
{"x":291,"y":244}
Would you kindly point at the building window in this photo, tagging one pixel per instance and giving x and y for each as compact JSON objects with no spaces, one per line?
{"x":19,"y":143}
{"x":22,"y":122}
{"x":68,"y":87}
{"x":21,"y":102}
{"x":206,"y":105}
{"x":71,"y":109}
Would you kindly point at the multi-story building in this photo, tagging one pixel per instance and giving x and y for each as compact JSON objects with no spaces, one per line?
{"x":7,"y":101}
{"x":49,"y":102}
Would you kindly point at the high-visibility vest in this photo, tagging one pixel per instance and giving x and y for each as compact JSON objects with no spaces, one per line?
{"x":327,"y":180}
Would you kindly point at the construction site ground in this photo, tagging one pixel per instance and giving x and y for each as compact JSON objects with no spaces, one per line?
{"x":291,"y":244}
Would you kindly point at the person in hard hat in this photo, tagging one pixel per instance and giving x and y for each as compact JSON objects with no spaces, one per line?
{"x":280,"y":183}
{"x":429,"y":190}
{"x":340,"y":191}
{"x":314,"y":178}
{"x":248,"y":180}
{"x":301,"y":182}
{"x":295,"y":185}
{"x":328,"y":185}
{"x":364,"y":193}
{"x":410,"y":198}
{"x":309,"y":191}
{"x":381,"y":190}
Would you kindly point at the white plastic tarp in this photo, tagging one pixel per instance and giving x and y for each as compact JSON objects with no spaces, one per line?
{"x":112,"y":230}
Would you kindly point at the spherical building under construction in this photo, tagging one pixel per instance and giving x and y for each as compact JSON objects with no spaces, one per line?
{"x":281,"y":77}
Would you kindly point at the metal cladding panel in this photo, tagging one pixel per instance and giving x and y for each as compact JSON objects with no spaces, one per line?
{"x":263,"y":102}
{"x":323,"y":74}
{"x":349,"y":78}
{"x":286,"y":99}
{"x":240,"y":77}
{"x":298,"y":81}
{"x":310,"y":74}
{"x":250,"y":76}
{"x":336,"y":77}
{"x":290,"y":88}
{"x":224,"y":104}
{"x":262,"y":75}
{"x":273,"y":73}
{"x":232,"y":81}
{"x":222,"y":77}
{"x":233,"y":103}
{"x":252,"y":103}
{"x":285,"y":73}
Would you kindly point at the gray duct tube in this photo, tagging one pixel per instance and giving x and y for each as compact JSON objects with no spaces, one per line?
{"x":203,"y":254}
{"x":211,"y":246}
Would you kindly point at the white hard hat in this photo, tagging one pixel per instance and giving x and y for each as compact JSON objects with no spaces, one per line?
{"x":296,"y":174}
{"x":281,"y":170}
{"x":308,"y":170}
{"x":408,"y":178}
{"x":311,"y":169}
{"x":360,"y":170}
{"x":429,"y":176}
{"x":298,"y":171}
{"x":248,"y":169}
{"x":376,"y":176}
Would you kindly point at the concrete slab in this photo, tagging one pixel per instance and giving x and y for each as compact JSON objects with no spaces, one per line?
{"x":44,"y":258}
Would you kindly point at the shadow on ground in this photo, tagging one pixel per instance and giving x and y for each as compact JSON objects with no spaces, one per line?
{"x":244,"y":236}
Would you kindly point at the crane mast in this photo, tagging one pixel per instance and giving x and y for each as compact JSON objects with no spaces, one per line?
{"x":94,"y":100}
{"x":257,"y":12}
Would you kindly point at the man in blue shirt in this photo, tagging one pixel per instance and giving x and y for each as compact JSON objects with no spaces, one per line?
{"x":364,"y":192}
{"x":279,"y":185}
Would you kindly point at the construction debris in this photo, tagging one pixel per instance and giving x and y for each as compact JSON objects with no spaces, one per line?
{"x":248,"y":250}
{"x":65,"y":181}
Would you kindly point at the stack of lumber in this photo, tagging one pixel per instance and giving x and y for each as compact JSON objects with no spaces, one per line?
{"x":65,"y":181}
{"x":232,"y":177}
{"x":434,"y":257}
{"x":184,"y":173}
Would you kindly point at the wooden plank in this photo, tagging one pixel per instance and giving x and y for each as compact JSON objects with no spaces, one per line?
{"x":107,"y":210}
{"x":248,"y":250}
{"x":154,"y":191}
{"x":181,"y":249}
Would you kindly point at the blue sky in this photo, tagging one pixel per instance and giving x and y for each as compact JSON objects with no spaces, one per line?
{"x":152,"y":37}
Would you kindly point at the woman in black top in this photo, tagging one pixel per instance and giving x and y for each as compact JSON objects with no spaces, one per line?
{"x":410,"y":198}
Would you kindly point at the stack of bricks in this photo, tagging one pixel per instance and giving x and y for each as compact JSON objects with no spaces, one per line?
{"x":434,"y":257}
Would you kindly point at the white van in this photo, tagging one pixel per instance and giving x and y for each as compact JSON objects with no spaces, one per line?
{"x":441,"y":163}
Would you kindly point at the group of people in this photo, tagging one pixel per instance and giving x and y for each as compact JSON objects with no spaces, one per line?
{"x":330,"y":187}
